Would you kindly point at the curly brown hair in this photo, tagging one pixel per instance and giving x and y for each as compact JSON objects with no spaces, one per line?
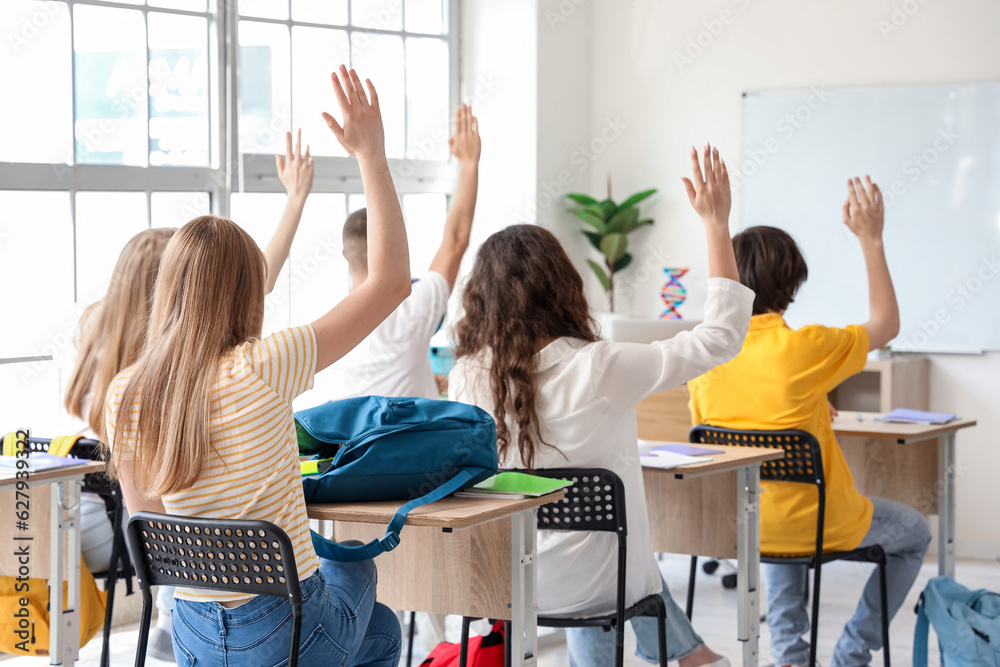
{"x":523,"y":292}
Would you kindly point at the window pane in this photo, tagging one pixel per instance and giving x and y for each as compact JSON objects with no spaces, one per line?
{"x":320,"y":11}
{"x":427,"y":98}
{"x":316,"y":53}
{"x":424,"y":215}
{"x":377,"y":14}
{"x":265,"y":108}
{"x":267,"y":9}
{"x":36,"y":61}
{"x":316,"y":262}
{"x":258,"y":213}
{"x":178,"y":90}
{"x":105,"y":221}
{"x":425,"y":16}
{"x":380,"y":58}
{"x":173,"y":209}
{"x":190,"y":5}
{"x":110,"y":85}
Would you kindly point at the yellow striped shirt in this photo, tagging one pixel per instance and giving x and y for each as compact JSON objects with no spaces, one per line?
{"x":256,"y":473}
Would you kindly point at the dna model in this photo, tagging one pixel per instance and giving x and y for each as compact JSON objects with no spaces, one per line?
{"x":673,"y":294}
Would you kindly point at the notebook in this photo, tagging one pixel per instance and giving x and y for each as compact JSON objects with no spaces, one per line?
{"x":665,"y":460}
{"x":39,"y":461}
{"x":904,"y":416}
{"x":513,"y":485}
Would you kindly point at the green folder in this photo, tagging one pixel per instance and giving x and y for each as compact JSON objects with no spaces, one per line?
{"x":517,"y":484}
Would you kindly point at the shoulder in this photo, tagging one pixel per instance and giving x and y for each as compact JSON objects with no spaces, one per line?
{"x":117,"y":388}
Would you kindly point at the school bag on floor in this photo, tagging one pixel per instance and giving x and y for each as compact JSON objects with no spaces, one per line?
{"x":483,"y":651}
{"x":414,"y":449}
{"x":967,"y":624}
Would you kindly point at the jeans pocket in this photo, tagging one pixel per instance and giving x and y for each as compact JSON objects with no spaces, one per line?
{"x":319,"y":649}
{"x":183,"y":656}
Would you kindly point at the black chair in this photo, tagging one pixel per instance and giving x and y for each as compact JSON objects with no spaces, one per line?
{"x":99,"y":483}
{"x":253,"y":557}
{"x":595,"y":502}
{"x":802,"y":464}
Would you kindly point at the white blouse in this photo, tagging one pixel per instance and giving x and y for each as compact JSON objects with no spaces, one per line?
{"x":587,"y":393}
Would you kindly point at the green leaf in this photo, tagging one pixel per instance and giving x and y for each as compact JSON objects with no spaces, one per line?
{"x":614,"y":246}
{"x":596,"y":210}
{"x":624,"y":261}
{"x":601,"y":275}
{"x":591,"y":219}
{"x":638,"y":224}
{"x":581,"y":199}
{"x":609,"y":208}
{"x":622,"y":220}
{"x":637,"y":197}
{"x":595,"y":239}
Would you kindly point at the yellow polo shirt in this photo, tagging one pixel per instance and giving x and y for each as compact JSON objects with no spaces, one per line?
{"x":780,"y":381}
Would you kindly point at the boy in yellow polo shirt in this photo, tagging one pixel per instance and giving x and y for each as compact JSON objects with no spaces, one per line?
{"x":779,"y":381}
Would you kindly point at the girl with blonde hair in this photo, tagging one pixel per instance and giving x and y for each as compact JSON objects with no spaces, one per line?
{"x":201,"y":424}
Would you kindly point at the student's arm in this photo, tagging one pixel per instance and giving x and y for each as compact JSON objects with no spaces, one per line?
{"x":136,"y":500}
{"x":295,"y":171}
{"x":465,"y":146}
{"x":388,"y":282}
{"x":625,"y":373}
{"x":864,"y":214}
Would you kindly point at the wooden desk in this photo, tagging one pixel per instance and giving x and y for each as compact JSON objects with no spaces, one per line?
{"x":921,"y":473}
{"x":468,"y":556}
{"x":53,"y":534}
{"x":712,"y":509}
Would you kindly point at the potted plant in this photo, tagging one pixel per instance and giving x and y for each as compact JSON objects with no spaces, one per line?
{"x":609,"y":226}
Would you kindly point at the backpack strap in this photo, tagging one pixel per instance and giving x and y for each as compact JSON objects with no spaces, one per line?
{"x":920,"y":634}
{"x":331,"y":550}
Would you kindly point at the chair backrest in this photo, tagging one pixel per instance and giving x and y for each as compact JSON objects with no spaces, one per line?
{"x":803,"y":462}
{"x":253,"y":557}
{"x":595,"y":501}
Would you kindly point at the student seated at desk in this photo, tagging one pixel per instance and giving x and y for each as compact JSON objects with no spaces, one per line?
{"x":395,"y":359}
{"x":201,"y":424}
{"x":528,"y":353}
{"x":780,"y":381}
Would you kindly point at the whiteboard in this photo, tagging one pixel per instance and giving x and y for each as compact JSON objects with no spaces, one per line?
{"x":935,"y":153}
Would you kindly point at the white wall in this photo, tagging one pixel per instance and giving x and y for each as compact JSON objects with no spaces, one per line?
{"x":671,"y":104}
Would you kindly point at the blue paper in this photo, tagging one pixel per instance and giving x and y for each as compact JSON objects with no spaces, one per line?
{"x":687,"y":450}
{"x":906,"y":416}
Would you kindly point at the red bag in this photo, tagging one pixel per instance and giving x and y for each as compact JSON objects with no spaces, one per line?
{"x":483,"y":651}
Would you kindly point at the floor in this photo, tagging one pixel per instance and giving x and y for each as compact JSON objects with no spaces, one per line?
{"x":714,"y":616}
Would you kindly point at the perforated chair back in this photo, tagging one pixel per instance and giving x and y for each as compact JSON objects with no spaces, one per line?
{"x":595,"y":501}
{"x":252,"y":557}
{"x":802,"y":463}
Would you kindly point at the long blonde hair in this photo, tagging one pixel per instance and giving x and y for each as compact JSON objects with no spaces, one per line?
{"x":209,"y":298}
{"x":113,"y":329}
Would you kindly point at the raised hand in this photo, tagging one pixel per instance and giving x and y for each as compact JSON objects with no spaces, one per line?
{"x":465,"y":144}
{"x":361,"y":134}
{"x":864,"y":211}
{"x":710,"y":195}
{"x":295,"y":170}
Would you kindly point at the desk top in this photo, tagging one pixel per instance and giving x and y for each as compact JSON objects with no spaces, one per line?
{"x":9,"y":479}
{"x":450,"y":512}
{"x":849,"y":424}
{"x":732,"y":458}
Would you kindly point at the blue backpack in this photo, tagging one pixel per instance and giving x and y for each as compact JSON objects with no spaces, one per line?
{"x":414,"y":449}
{"x":967,"y":624}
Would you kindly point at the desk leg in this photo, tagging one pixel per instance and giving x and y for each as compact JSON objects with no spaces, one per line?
{"x":946,"y":505}
{"x":523,"y":639}
{"x":64,"y":626}
{"x":748,"y":559}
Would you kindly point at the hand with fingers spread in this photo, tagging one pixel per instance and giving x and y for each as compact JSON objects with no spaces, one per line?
{"x":361,"y":135}
{"x":465,"y":144}
{"x":710,"y":195}
{"x":295,"y":169}
{"x":864,"y":211}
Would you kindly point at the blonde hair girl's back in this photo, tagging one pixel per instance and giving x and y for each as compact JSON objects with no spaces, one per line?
{"x":209,"y":298}
{"x":113,"y":329}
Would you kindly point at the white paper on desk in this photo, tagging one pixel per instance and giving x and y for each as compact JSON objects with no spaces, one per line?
{"x":667,"y":460}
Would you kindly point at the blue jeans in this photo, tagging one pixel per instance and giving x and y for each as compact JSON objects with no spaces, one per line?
{"x":904,"y":534}
{"x":593,"y":647}
{"x":342,"y":625}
